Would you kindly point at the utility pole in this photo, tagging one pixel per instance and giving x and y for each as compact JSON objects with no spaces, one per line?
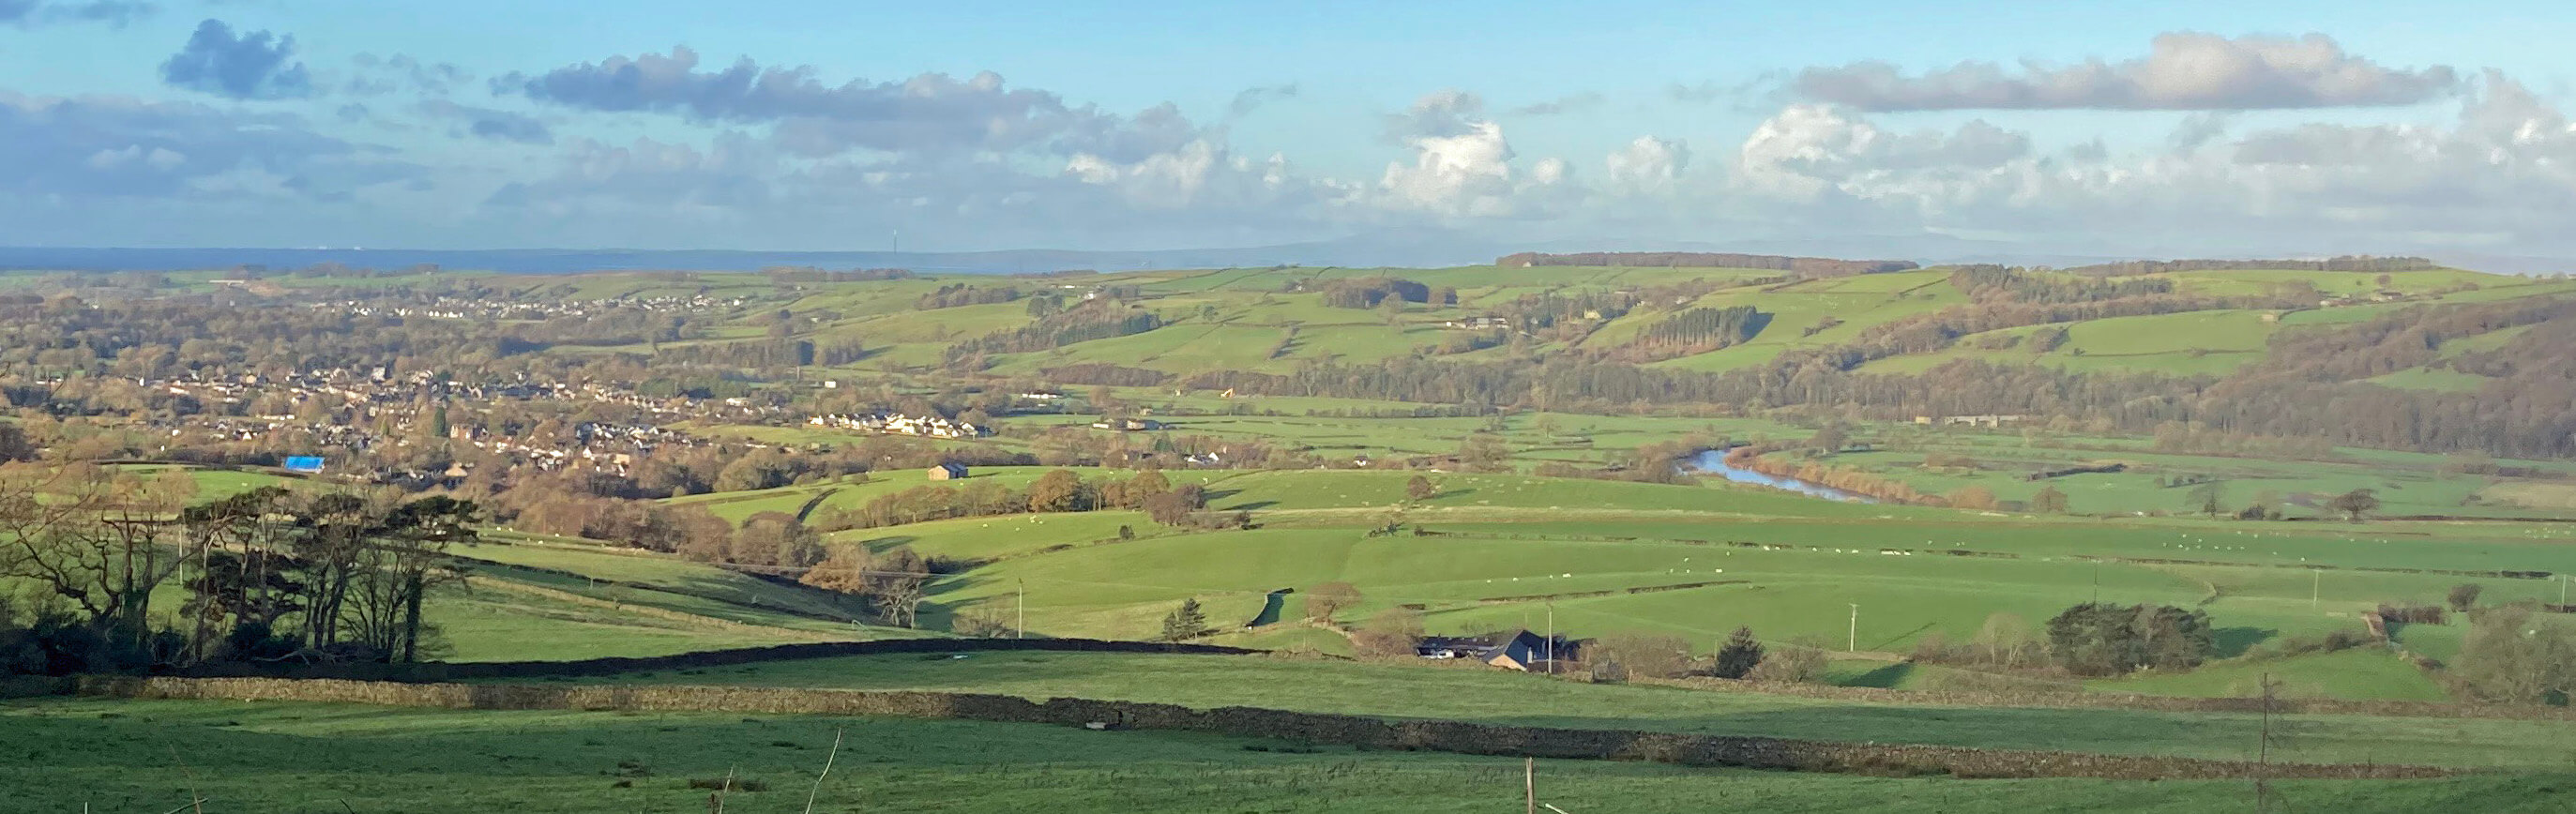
{"x":1022,"y":629}
{"x":1852,"y":644}
{"x":2316,"y":587}
{"x":1551,"y":638}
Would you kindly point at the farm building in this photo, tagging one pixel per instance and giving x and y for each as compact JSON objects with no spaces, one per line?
{"x":950,"y":470}
{"x":1519,"y":650}
{"x":1528,"y":651}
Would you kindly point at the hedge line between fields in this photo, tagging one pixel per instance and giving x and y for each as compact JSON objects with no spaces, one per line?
{"x":460,"y":671}
{"x":1246,"y":722}
{"x":2129,"y":701}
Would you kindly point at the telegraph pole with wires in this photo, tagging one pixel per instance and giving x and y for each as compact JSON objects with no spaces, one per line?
{"x":1551,"y":638}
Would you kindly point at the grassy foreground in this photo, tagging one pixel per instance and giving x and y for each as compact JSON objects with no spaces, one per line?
{"x":147,"y":756}
{"x":1490,"y":696}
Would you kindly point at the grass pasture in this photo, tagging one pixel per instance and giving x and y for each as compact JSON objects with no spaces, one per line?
{"x":118,"y":756}
{"x":1497,"y":697}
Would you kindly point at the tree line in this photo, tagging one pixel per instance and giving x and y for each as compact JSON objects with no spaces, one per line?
{"x":263,"y":575}
{"x":1805,"y":266}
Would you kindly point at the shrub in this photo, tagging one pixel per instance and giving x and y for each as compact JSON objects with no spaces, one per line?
{"x":1392,"y":632}
{"x":2513,"y":655}
{"x":1641,"y":655}
{"x":1325,"y":600}
{"x":2464,"y":596}
{"x":1790,"y":665}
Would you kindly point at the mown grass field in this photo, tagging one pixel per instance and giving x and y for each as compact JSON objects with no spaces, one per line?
{"x":153,"y":755}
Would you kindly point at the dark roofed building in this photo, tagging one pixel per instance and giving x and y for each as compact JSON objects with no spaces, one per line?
{"x":948,"y":470}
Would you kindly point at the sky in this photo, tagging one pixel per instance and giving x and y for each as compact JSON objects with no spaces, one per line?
{"x":2166,"y":129}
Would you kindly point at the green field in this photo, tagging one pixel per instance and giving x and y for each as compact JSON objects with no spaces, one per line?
{"x":1490,"y":696}
{"x":153,"y":755}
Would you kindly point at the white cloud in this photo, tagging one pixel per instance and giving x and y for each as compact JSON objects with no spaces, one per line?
{"x":1466,"y":174}
{"x":2185,"y":70}
{"x":2503,"y":172}
{"x":1648,"y":165}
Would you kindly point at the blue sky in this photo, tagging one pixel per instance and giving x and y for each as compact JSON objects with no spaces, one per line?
{"x":2170,"y":128}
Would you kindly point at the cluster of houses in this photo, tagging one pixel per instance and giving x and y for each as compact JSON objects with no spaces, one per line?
{"x":461,"y":308}
{"x":1127,"y":424}
{"x":1985,"y":420}
{"x":297,"y":432}
{"x":1478,"y":322}
{"x":898,"y":424}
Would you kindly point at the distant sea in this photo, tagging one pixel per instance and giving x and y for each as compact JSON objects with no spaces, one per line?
{"x":516,"y":261}
{"x":561,"y":261}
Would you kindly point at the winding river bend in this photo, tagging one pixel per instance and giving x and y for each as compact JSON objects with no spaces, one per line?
{"x":1713,"y":462}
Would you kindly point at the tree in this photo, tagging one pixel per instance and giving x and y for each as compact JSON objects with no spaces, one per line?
{"x":1484,"y":452}
{"x":1790,"y":665}
{"x":1173,"y":508}
{"x":1972,"y":496}
{"x":2101,"y":639}
{"x":1143,"y":486}
{"x":1056,"y":491}
{"x":1325,"y":600}
{"x":1830,"y":439}
{"x":2048,"y":500}
{"x":776,"y":539}
{"x":897,"y":583}
{"x":844,"y":571}
{"x":1625,"y":655}
{"x":2355,"y":503}
{"x":981,"y":621}
{"x":2515,"y":655}
{"x":2464,"y":596}
{"x":1738,"y":657}
{"x":1185,"y":622}
{"x":748,"y":472}
{"x":1420,"y":488}
{"x":1392,"y":632}
{"x":2207,"y":497}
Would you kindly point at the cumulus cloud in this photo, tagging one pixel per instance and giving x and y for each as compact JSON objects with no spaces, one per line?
{"x":252,"y":65}
{"x":929,"y":112}
{"x":1648,"y":164}
{"x":484,"y":122}
{"x":2504,"y":173}
{"x":1206,"y":176}
{"x":115,"y":13}
{"x":1807,"y":149}
{"x":1465,"y":174}
{"x":1438,"y":114}
{"x":2181,"y":71}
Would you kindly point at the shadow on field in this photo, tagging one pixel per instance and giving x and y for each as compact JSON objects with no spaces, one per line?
{"x":2234,"y":641}
{"x":1885,"y":678}
{"x":882,"y":544}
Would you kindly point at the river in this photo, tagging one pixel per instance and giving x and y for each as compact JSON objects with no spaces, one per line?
{"x":1713,"y":462}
